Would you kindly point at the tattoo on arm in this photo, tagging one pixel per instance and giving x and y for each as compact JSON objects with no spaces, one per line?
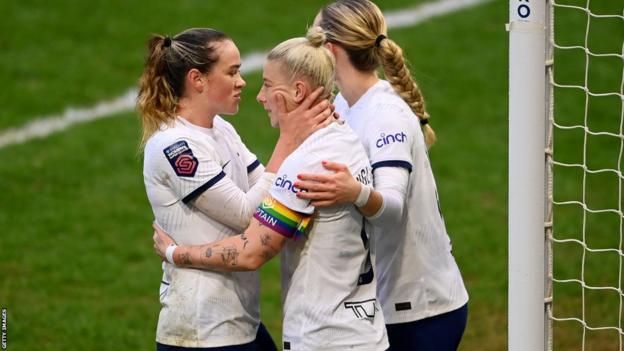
{"x":265,"y":239}
{"x":245,"y":240}
{"x":186,"y":259}
{"x":208,"y":252}
{"x":230,"y":255}
{"x":266,"y":255}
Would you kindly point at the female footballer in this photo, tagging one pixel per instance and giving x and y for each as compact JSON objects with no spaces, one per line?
{"x":420,"y":287}
{"x":328,"y":285}
{"x":203,"y":183}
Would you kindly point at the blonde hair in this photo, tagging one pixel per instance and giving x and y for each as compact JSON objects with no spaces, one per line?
{"x":307,"y":58}
{"x":162,"y":83}
{"x":357,"y":26}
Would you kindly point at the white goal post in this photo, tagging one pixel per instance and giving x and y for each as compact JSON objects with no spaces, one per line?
{"x":566,"y":209}
{"x":527,"y":134}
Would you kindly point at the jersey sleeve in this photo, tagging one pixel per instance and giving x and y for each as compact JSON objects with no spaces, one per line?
{"x":284,"y":190}
{"x":389,"y":138}
{"x":190,"y":168}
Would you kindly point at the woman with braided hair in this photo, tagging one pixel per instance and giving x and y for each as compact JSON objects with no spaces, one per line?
{"x":420,"y":287}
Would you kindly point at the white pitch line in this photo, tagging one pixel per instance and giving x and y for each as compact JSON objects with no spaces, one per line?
{"x":44,"y":126}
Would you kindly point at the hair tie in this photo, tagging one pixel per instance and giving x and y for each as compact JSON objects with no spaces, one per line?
{"x":424,"y":122}
{"x":167,"y":42}
{"x":380,"y":37}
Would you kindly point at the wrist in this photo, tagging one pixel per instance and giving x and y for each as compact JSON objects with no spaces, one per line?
{"x":169,"y":253}
{"x":363,"y":196}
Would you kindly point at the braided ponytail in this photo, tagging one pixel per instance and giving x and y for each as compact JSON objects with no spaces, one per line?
{"x":359,"y":27}
{"x":399,"y":76}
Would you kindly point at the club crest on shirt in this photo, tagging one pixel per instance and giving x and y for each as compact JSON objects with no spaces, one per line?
{"x":181,"y":158}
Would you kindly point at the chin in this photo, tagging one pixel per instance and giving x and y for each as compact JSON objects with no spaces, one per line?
{"x":274,"y":122}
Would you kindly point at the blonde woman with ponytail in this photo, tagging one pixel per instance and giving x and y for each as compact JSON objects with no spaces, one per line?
{"x":204,"y":184}
{"x":328,"y":287}
{"x":420,"y":287}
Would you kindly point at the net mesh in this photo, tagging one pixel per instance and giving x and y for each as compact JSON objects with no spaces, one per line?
{"x":584,"y":219}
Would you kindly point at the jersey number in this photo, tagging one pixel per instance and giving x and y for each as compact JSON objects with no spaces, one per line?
{"x":366,"y":275}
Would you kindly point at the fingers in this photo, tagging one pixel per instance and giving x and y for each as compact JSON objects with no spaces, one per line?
{"x":323,"y":115}
{"x":334,"y":166}
{"x":314,"y":177}
{"x":320,"y":196}
{"x":280,"y":101}
{"x":313,"y":186}
{"x":318,"y":112}
{"x":311,"y":98}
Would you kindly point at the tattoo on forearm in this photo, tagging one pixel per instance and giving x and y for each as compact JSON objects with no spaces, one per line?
{"x":230,"y":255}
{"x":245,"y":240}
{"x":208,"y":252}
{"x":265,"y":239}
{"x":186,"y":258}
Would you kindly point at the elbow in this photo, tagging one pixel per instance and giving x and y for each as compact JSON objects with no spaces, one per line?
{"x":251,"y":262}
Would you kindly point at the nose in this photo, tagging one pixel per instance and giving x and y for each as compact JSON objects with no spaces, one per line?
{"x":241,"y":83}
{"x":261,"y":97}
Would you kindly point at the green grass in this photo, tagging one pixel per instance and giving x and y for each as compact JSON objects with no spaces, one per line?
{"x":64,"y":53}
{"x":76,"y":261}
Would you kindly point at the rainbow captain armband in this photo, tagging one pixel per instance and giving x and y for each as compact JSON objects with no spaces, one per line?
{"x":289,"y":223}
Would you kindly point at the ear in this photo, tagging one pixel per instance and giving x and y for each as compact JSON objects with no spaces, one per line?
{"x":331,"y":47}
{"x":195,"y":79}
{"x":301,"y":91}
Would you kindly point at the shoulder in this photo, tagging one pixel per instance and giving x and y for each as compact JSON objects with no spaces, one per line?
{"x":175,"y":140}
{"x":331,"y":143}
{"x":224,"y":126}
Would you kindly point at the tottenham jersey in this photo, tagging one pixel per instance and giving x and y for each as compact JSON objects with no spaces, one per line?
{"x":417,"y":276}
{"x":199,"y":308}
{"x":328,"y":285}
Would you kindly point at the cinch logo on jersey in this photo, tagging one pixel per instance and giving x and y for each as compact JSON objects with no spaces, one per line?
{"x":181,"y":158}
{"x":283,"y":182}
{"x":390,"y":138}
{"x":282,"y":219}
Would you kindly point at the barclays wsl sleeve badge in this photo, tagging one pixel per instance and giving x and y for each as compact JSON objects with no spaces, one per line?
{"x":181,"y":158}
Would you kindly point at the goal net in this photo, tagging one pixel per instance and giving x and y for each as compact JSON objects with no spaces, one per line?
{"x":585,"y":158}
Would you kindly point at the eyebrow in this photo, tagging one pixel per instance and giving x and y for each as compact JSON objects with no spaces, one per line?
{"x":237,"y":66}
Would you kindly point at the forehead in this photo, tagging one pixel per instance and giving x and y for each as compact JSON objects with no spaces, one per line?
{"x":227,"y":52}
{"x":273,"y":71}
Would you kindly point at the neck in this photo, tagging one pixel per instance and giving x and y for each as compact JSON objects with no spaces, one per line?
{"x":353,"y":83}
{"x":197,"y":115}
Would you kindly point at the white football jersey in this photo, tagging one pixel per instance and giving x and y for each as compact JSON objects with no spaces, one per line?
{"x":328,"y":285}
{"x":199,"y":308}
{"x":417,"y":276}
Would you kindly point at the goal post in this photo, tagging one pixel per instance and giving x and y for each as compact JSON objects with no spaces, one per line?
{"x":527,"y":166}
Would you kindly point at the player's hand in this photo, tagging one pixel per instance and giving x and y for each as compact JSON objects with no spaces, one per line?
{"x":329,"y":189}
{"x":161,"y":241}
{"x":304,"y":120}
